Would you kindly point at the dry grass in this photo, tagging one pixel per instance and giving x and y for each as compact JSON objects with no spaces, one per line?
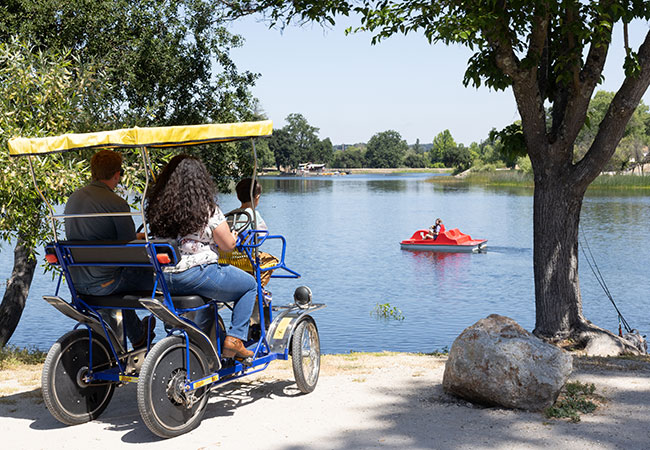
{"x":20,"y":378}
{"x":359,"y":366}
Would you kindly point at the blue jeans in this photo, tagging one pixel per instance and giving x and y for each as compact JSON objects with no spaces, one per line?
{"x":223,"y":283}
{"x":127,"y":279}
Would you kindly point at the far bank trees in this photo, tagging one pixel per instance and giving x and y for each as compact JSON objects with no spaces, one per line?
{"x":297,"y":142}
{"x":386,"y":149}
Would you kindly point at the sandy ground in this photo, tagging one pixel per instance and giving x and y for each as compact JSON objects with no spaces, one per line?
{"x":385,"y":401}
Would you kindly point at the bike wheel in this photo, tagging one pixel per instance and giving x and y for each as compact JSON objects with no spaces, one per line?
{"x":67,"y":396}
{"x":165,"y":407}
{"x":305,"y":356}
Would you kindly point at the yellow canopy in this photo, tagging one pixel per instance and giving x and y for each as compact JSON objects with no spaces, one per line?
{"x":142,"y":137}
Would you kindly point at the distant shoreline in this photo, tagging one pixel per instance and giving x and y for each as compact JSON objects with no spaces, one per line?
{"x":396,"y":170}
{"x":366,"y":171}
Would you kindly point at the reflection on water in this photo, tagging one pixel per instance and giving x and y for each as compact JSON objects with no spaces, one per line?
{"x":292,"y":185}
{"x":343,"y":236}
{"x":387,"y":185}
{"x":440,"y":259}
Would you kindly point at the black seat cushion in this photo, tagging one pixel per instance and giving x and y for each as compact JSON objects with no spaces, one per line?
{"x":131,"y":300}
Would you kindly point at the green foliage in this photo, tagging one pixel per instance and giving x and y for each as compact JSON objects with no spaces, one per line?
{"x":460,"y":158}
{"x":576,"y":398}
{"x":41,"y":93}
{"x":386,"y":311}
{"x":350,"y":158}
{"x":415,"y":160}
{"x":385,"y":149}
{"x":497,"y":178}
{"x":417,"y":148}
{"x":297,"y":142}
{"x":524,"y":164}
{"x":621,"y":182}
{"x":635,"y":139}
{"x":444,"y":351}
{"x":284,"y":148}
{"x":482,"y":168}
{"x":513,"y":143}
{"x":163,"y":63}
{"x":168,"y":62}
{"x":14,"y":356}
{"x":442,"y":143}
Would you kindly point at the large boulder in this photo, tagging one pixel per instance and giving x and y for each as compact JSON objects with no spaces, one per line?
{"x":497,"y":362}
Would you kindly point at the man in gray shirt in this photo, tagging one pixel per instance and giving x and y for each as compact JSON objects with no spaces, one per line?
{"x":98,"y":197}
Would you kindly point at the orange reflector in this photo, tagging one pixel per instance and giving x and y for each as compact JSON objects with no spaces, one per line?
{"x":51,"y":258}
{"x":163,"y":258}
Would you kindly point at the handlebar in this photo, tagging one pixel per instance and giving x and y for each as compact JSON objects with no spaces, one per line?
{"x":252,"y":239}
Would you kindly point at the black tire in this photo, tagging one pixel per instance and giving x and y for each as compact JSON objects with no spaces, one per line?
{"x":305,"y":356}
{"x":161,"y":402}
{"x":67,"y":397}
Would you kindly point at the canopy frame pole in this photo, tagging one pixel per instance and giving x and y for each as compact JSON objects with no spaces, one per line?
{"x":147,"y":169}
{"x":49,"y":206}
{"x":251,"y":194}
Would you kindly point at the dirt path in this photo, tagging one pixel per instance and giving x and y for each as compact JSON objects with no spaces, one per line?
{"x":386,"y":401}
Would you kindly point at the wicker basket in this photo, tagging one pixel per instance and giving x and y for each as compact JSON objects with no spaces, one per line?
{"x":241,"y":261}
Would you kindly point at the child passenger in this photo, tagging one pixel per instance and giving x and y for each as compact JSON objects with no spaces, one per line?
{"x":243,"y":189}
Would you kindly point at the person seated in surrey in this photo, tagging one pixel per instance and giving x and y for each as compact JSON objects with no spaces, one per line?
{"x":435,"y":230}
{"x":243,"y":189}
{"x":183,"y":205}
{"x":99,"y":197}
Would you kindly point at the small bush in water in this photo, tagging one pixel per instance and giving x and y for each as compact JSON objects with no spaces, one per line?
{"x":387,"y":312}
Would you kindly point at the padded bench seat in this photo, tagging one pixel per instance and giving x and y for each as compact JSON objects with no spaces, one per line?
{"x":130,"y":300}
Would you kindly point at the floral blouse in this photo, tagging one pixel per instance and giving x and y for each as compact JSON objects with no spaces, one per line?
{"x":198,"y":248}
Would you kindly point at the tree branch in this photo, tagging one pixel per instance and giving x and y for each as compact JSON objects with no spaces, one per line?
{"x":590,"y":75}
{"x":613,"y":125}
{"x":530,"y":101}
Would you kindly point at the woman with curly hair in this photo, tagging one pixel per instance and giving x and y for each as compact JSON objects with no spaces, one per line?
{"x":182,"y":206}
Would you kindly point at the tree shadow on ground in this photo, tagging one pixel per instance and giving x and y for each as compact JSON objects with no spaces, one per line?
{"x":420,"y":415}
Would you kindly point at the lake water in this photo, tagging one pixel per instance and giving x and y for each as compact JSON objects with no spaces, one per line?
{"x":343,"y":236}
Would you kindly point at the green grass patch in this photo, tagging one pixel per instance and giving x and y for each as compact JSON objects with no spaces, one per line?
{"x":444,"y":351}
{"x":621,"y":182}
{"x":11,"y":356}
{"x":575,"y":399}
{"x":506,"y":178}
{"x":516,"y":178}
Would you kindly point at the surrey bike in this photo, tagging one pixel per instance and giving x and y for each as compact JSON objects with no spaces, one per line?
{"x":175,"y":375}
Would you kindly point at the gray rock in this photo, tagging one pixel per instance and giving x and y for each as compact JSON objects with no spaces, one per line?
{"x":497,"y":362}
{"x":604,"y":345}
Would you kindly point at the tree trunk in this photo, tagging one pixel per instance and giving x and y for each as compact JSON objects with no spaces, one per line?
{"x":13,"y":301}
{"x":556,"y":217}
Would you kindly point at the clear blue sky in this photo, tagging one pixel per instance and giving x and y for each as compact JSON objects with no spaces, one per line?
{"x":352,"y":90}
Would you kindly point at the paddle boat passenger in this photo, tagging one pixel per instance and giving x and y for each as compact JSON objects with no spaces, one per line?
{"x":435,"y":230}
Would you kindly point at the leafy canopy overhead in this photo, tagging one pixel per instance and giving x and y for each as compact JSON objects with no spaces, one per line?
{"x":168,"y":61}
{"x":41,"y":93}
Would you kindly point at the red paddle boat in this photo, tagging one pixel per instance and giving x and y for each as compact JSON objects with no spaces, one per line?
{"x":447,"y":241}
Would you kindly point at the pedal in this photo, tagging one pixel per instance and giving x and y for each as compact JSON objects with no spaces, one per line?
{"x":248,"y":362}
{"x":229,"y":362}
